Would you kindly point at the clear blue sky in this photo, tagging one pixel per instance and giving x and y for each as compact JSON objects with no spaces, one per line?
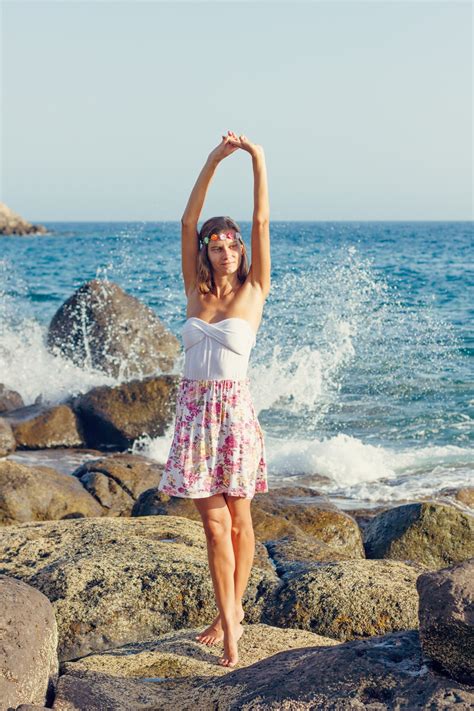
{"x":364,"y":109}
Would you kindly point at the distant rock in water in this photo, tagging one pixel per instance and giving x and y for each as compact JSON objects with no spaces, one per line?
{"x":101,"y":326}
{"x":13,"y":224}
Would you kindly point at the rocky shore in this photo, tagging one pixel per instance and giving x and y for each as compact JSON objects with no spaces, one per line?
{"x":105,"y":582}
{"x":13,"y":224}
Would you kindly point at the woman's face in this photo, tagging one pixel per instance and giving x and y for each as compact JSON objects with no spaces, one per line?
{"x":225,"y":254}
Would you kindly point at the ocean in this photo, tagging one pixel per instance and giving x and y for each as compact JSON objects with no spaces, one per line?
{"x":362,"y":371}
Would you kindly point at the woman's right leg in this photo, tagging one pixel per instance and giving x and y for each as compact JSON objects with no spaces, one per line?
{"x":217,"y":524}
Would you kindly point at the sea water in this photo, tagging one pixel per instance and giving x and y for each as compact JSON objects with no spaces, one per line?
{"x":362,"y":371}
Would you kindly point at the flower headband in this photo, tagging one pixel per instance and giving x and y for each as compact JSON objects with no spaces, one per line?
{"x":222,"y":236}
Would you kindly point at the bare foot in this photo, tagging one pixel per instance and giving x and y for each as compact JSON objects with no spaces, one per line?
{"x":214,"y":633}
{"x":231,"y":637}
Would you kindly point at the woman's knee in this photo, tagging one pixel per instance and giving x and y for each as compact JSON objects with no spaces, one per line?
{"x":242,"y":526}
{"x":217,"y":530}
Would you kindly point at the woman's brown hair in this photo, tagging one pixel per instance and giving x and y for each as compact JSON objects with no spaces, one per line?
{"x":204,"y":275}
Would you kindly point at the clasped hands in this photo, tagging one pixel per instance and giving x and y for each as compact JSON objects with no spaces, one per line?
{"x":231,"y":142}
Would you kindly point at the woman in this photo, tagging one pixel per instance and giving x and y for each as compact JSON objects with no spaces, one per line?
{"x":217,"y":456}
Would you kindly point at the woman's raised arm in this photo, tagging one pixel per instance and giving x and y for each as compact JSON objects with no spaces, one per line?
{"x":189,"y":220}
{"x":260,"y":268}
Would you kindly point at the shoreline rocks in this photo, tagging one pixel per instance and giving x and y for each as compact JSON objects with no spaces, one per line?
{"x":348,"y":599}
{"x":101,"y":326}
{"x":427,"y":532}
{"x":41,"y":493}
{"x":447,"y":619}
{"x":11,"y":223}
{"x":114,"y":581}
{"x":118,"y":415}
{"x":28,"y":642}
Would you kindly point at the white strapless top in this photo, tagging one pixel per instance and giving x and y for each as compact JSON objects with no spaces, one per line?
{"x":215,"y":351}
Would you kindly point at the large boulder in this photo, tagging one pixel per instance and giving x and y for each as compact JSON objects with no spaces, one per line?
{"x":117,"y":481}
{"x":11,"y":223}
{"x":446,"y":614}
{"x":431,"y":533}
{"x":348,"y":599}
{"x":9,"y":399}
{"x":377,"y":674}
{"x":101,"y":326}
{"x":116,"y":416}
{"x":41,"y":493}
{"x":7,"y":439}
{"x":42,"y":426}
{"x":119,"y":580}
{"x":28,"y":643}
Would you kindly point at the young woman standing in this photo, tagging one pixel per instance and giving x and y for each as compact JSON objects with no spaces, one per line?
{"x":217,"y":456}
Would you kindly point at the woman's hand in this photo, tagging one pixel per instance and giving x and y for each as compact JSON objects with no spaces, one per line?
{"x":224,"y":149}
{"x":244,"y":143}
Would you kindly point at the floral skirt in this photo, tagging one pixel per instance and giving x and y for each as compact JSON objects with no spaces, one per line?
{"x":218,"y":444}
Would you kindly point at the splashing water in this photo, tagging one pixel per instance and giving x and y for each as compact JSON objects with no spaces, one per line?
{"x":356,"y":375}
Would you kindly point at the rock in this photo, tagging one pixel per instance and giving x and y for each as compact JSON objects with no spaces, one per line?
{"x":92,"y":691}
{"x":29,"y":637}
{"x":118,"y":415}
{"x":178,"y":654}
{"x":380,"y":673}
{"x":9,"y":399}
{"x":464,"y":495}
{"x":446,"y":614}
{"x":363,"y":516}
{"x":7,"y":440}
{"x":118,"y":480}
{"x":12,"y":224}
{"x":155,"y":503}
{"x":311,"y":513}
{"x":431,"y":533}
{"x":296,"y":552}
{"x":41,"y":427}
{"x":41,"y":493}
{"x":101,"y":326}
{"x":348,"y":599}
{"x":118,"y":580}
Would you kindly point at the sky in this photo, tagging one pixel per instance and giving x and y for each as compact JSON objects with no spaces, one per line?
{"x":110,"y":109}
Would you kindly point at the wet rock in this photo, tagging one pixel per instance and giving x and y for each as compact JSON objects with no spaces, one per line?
{"x":431,"y":533}
{"x":41,"y":493}
{"x":101,"y":326}
{"x":29,"y":637}
{"x":116,"y":416}
{"x":9,"y":399}
{"x":7,"y":440}
{"x":118,"y":580}
{"x":41,"y":427}
{"x":117,"y":481}
{"x":11,"y":223}
{"x":179,"y":654}
{"x":464,"y":495}
{"x":446,"y":614}
{"x":348,"y":599}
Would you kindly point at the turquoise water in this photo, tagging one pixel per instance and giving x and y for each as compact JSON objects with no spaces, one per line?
{"x":362,"y":370}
